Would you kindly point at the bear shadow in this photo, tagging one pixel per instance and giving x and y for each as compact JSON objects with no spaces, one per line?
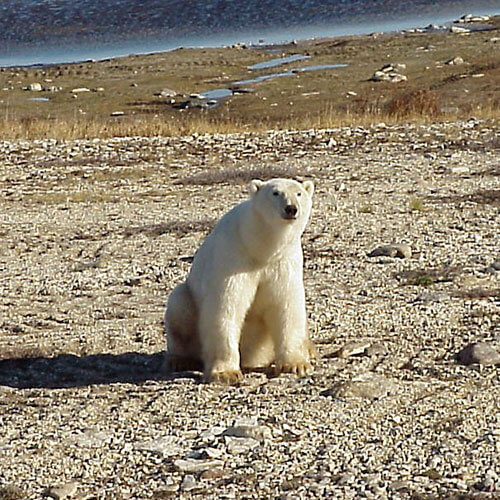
{"x":69,"y":370}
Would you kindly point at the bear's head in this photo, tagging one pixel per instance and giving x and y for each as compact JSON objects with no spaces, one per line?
{"x":283,"y":201}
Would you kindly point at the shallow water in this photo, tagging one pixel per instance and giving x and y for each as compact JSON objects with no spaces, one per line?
{"x":114,"y":34}
{"x":219,"y":95}
{"x":262,"y":78}
{"x":278,"y":62}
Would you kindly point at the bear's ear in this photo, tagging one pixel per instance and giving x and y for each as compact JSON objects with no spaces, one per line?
{"x":309,"y":187}
{"x":255,"y":185}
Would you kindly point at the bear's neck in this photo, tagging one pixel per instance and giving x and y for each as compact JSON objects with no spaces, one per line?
{"x":265,"y":241}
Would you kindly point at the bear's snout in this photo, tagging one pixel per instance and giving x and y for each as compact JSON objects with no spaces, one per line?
{"x":291,"y":212}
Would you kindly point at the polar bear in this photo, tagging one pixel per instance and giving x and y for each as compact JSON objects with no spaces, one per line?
{"x":243,"y":302}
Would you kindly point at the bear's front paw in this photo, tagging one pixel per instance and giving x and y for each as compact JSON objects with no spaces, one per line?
{"x":300,"y":368}
{"x":229,"y":377}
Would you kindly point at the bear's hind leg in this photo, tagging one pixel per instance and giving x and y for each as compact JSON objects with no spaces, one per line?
{"x":183,"y":345}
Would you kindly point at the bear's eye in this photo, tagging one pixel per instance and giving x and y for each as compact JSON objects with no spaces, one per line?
{"x":275,"y":193}
{"x":299,"y":194}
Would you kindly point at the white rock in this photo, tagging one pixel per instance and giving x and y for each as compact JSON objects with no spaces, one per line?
{"x":454,"y":61}
{"x":459,"y":29}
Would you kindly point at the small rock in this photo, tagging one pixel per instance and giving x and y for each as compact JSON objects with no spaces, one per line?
{"x":455,"y":61}
{"x":352,"y":349}
{"x":459,"y":170}
{"x":376,"y":349}
{"x":78,"y":90}
{"x":166,"y":93}
{"x":167,"y":446}
{"x":368,"y":386}
{"x":188,"y":483}
{"x":60,"y":492}
{"x":459,"y":29}
{"x":117,"y":113}
{"x":214,"y":473}
{"x":401,"y":251}
{"x":400,"y":485}
{"x":193,"y":466}
{"x":478,"y":353}
{"x":35,"y":87}
{"x":258,"y":432}
{"x":240,"y":445}
{"x":493,"y":268}
{"x":345,"y":478}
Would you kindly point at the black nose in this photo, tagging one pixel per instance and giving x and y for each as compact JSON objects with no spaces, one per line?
{"x":291,"y":210}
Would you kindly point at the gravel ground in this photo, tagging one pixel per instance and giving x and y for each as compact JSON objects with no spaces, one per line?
{"x":94,"y":235}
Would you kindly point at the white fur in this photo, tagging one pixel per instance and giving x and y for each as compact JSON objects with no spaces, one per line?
{"x":243,"y":302}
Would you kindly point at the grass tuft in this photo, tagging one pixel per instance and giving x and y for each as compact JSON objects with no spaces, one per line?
{"x":427,"y":277}
{"x":237,"y":176}
{"x":416,"y":205}
{"x":423,"y":102}
{"x":177,"y":227}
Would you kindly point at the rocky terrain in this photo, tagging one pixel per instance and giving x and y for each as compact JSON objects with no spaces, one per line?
{"x":95,"y":233}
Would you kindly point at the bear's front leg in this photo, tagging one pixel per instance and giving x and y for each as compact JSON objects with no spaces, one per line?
{"x":220,"y":324}
{"x":286,"y":318}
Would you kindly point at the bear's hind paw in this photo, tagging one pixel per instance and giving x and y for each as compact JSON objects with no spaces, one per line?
{"x":229,"y":377}
{"x":300,"y":369}
{"x":175,"y":363}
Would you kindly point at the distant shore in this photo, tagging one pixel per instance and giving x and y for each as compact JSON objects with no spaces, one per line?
{"x":88,"y":43}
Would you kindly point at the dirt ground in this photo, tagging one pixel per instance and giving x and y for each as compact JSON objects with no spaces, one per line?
{"x":93,"y":236}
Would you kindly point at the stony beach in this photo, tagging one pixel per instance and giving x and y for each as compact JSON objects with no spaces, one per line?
{"x":95,"y":233}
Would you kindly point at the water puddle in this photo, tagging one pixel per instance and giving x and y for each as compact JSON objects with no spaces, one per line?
{"x":217,"y":94}
{"x":278,"y":62}
{"x":38,"y":99}
{"x":294,"y":71}
{"x":212,"y":98}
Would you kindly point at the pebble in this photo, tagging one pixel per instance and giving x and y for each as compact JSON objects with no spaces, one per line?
{"x":61,"y":492}
{"x":367,"y":386}
{"x":167,"y":446}
{"x":401,"y":251}
{"x":240,"y":445}
{"x":459,"y":30}
{"x":195,"y":466}
{"x":257,"y":432}
{"x":479,"y":353}
{"x":455,"y":61}
{"x":352,"y":349}
{"x":35,"y":87}
{"x":189,"y":483}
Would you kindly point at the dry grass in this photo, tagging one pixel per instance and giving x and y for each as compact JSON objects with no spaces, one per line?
{"x":177,"y":227}
{"x":427,"y":277}
{"x":11,"y":493}
{"x":477,"y":293}
{"x":480,"y":197}
{"x":413,"y":107}
{"x":423,"y":102}
{"x":237,"y":176}
{"x":80,"y":128}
